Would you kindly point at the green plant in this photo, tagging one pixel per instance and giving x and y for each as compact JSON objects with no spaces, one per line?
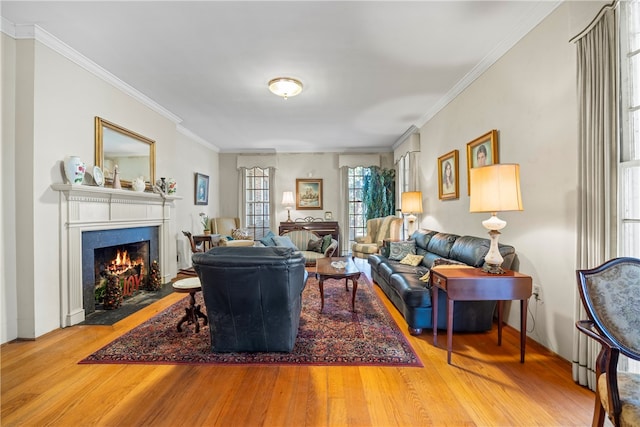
{"x":379,"y":192}
{"x":204,"y":219}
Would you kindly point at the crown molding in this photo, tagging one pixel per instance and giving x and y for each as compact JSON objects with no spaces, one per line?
{"x":538,"y":13}
{"x":22,"y":32}
{"x":186,"y":132}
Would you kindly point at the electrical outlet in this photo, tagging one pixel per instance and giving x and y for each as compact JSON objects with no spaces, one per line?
{"x":536,"y":292}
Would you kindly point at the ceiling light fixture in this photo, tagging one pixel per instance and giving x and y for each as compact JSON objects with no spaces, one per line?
{"x":285,"y":86}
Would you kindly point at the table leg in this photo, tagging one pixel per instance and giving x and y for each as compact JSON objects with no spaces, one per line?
{"x":353,"y":298}
{"x":523,"y":327}
{"x":449,"y":328}
{"x":500,"y":307}
{"x":434,"y":310}
{"x":321,"y":286}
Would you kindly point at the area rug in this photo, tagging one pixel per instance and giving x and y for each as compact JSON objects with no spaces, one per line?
{"x":336,"y":336}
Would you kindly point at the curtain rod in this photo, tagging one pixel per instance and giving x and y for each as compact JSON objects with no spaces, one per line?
{"x":595,"y":20}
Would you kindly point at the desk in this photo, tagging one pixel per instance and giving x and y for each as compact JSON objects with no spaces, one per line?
{"x":473,"y":284}
{"x":208,"y":240}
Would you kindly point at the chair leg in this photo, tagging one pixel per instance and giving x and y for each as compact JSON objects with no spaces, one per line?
{"x":598,"y":413}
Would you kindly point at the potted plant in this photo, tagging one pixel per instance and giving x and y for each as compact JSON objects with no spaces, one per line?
{"x":204,"y":219}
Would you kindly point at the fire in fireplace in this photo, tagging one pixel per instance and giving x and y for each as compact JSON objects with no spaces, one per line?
{"x":127,"y":263}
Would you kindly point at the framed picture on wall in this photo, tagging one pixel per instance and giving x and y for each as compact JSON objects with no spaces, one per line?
{"x":308,"y":194}
{"x":202,"y":189}
{"x":448,"y":176}
{"x":482,"y":151}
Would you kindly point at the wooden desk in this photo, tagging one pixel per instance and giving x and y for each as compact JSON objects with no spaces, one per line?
{"x":473,"y":284}
{"x":208,"y":240}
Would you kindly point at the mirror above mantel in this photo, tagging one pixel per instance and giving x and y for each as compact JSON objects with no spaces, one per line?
{"x":134,"y":154}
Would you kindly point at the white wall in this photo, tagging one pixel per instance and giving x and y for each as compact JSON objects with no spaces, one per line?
{"x":529,"y":96}
{"x":56,"y":102}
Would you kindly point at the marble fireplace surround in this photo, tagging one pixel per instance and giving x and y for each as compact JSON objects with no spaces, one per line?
{"x":90,"y":208}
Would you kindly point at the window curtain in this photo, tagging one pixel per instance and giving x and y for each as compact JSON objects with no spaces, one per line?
{"x":597,"y":166}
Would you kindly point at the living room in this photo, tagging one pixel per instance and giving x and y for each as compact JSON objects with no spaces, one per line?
{"x":528,"y":95}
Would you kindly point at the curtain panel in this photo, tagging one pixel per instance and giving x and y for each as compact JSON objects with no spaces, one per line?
{"x":597,"y":88}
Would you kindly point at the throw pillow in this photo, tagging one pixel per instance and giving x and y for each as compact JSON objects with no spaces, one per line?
{"x":399,"y":250}
{"x":326,"y":242}
{"x":240,"y":234}
{"x":267,"y":240}
{"x":315,"y":245}
{"x":412,"y":260}
{"x":284,"y":241}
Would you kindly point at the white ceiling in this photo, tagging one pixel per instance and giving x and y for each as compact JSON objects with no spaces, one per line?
{"x":370,"y":69}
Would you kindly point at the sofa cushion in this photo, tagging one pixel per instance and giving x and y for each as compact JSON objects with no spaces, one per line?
{"x":267,"y":240}
{"x":470,"y":250}
{"x":422,"y":238}
{"x":399,"y":250}
{"x":441,"y":244}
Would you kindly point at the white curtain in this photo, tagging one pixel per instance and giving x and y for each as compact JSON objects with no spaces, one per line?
{"x":597,"y":166}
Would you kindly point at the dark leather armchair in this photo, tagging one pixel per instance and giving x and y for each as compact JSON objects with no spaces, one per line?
{"x":253,"y":297}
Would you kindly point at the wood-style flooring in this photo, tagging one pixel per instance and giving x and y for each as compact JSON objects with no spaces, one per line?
{"x":42,"y":384}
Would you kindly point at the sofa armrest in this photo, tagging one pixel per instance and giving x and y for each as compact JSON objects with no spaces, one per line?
{"x":331,"y":249}
{"x":363,"y":239}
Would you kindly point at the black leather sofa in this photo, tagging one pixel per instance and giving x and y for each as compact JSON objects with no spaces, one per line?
{"x":253,"y":297}
{"x":412,"y":297}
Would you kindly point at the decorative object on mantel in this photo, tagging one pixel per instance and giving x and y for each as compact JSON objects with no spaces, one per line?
{"x":172,"y":186}
{"x":138,"y":184}
{"x":162,"y":185}
{"x":204,"y":219}
{"x":74,"y":169}
{"x":116,"y":178}
{"x":98,"y":176}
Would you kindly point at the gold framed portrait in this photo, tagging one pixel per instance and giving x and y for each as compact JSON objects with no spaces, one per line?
{"x":482,"y":151}
{"x":448,"y":187}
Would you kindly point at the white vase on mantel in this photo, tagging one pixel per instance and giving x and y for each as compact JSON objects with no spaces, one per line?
{"x":74,"y":169}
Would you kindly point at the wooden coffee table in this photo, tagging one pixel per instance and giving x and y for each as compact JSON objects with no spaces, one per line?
{"x":324,"y":270}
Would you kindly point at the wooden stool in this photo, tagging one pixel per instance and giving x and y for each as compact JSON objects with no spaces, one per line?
{"x":190,"y":285}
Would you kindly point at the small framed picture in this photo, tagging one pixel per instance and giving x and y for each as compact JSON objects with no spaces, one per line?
{"x":202,"y":189}
{"x":448,"y":176}
{"x":308,"y":194}
{"x":328,"y":216}
{"x":482,"y":151}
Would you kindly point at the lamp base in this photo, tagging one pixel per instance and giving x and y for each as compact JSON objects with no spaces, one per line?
{"x":493,"y":259}
{"x":289,"y":214}
{"x":492,"y":268}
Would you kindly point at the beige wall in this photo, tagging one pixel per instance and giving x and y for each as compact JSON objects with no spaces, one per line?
{"x":55,"y":104}
{"x":529,"y":96}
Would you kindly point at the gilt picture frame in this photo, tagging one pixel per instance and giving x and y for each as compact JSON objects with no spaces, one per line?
{"x":482,"y":151}
{"x":308,"y":194}
{"x":448,"y":176}
{"x":201,"y":193}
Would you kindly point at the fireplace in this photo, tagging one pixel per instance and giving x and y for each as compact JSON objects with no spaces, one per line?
{"x":88,"y":209}
{"x":126,"y":253}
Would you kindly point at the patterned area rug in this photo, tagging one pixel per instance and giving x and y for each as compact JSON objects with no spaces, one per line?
{"x":337,"y":336}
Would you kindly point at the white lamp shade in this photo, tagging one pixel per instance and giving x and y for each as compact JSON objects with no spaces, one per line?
{"x":411,"y":202}
{"x":495,"y":188}
{"x":287,"y":198}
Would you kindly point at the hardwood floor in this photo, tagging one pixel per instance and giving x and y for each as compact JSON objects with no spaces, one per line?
{"x":42,"y":384}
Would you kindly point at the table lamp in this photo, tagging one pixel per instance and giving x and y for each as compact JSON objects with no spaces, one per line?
{"x":494,"y":189}
{"x":411,"y":203}
{"x":288,"y":202}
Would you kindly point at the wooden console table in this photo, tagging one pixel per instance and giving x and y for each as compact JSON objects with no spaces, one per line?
{"x":473,"y":284}
{"x":321,"y":228}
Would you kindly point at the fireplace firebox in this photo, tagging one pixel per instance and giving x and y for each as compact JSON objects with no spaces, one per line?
{"x":126,"y":253}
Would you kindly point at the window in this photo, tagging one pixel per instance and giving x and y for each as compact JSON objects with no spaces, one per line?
{"x":357,"y":210}
{"x":403,"y":174}
{"x":257,"y":201}
{"x":629,"y":168}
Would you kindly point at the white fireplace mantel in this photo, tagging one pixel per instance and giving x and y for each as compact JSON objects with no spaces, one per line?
{"x":85,"y":208}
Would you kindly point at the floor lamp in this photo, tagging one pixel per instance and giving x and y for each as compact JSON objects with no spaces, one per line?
{"x":411,"y":203}
{"x":494,"y":189}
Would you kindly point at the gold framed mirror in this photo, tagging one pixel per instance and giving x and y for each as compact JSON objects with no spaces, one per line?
{"x":134,"y":154}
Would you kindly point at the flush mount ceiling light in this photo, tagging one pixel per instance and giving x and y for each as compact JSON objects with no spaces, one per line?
{"x":285,"y":86}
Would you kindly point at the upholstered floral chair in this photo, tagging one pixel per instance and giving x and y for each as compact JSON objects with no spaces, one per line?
{"x":610,"y":294}
{"x":378,"y":229}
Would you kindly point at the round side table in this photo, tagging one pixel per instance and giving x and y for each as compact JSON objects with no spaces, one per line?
{"x":190,"y":285}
